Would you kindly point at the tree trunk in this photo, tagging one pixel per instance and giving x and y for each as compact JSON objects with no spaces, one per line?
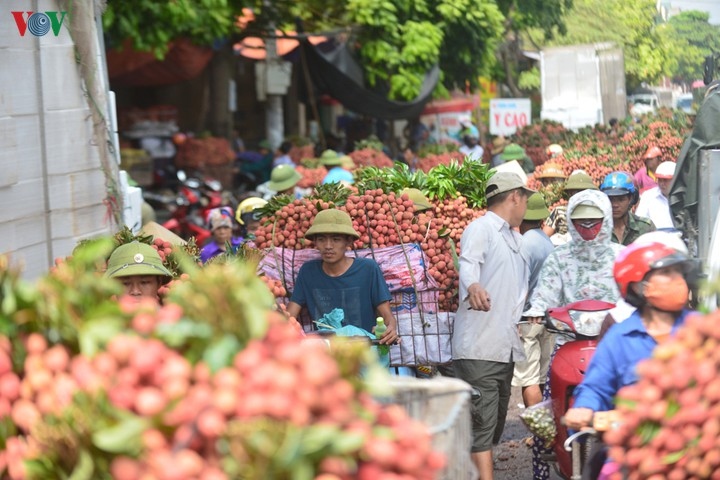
{"x":508,"y":58}
{"x":219,"y":116}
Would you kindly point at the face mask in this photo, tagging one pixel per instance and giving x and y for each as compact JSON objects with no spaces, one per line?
{"x":668,"y":295}
{"x":588,"y":229}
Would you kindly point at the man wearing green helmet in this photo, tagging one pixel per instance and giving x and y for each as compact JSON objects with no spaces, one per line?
{"x":139,"y":268}
{"x":535,"y":247}
{"x":355,"y":285}
{"x":555,"y":225}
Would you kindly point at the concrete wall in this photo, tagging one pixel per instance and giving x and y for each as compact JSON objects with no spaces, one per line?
{"x":51,"y":183}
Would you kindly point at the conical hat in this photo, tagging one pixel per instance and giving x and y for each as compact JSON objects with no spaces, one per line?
{"x":158,"y":231}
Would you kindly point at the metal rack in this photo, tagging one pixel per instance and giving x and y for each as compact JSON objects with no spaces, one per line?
{"x":425,"y":331}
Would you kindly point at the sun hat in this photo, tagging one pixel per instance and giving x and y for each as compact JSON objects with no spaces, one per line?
{"x":551,"y":170}
{"x":332,"y":221}
{"x":347,"y":162}
{"x":418,"y":198}
{"x":247,"y":206}
{"x":136,"y":258}
{"x":502,"y":182}
{"x":283,"y":177}
{"x":580,"y":181}
{"x":585,"y":211}
{"x":513,"y":152}
{"x":666,"y":170}
{"x":498,"y":144}
{"x":219,"y":217}
{"x":158,"y":231}
{"x":554,"y":150}
{"x":330,"y":158}
{"x":338,"y":175}
{"x":536,"y":208}
{"x":652,"y":152}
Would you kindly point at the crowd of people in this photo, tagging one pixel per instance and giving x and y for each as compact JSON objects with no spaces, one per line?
{"x":519,"y":259}
{"x":614,"y":242}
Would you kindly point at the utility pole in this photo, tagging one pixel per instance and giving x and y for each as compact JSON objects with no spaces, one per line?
{"x":274,"y":118}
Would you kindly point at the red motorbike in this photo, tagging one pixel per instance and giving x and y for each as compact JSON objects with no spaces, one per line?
{"x":579,"y":323}
{"x":189,"y":211}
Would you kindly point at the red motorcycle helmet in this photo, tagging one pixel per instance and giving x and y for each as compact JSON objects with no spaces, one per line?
{"x":635,"y":261}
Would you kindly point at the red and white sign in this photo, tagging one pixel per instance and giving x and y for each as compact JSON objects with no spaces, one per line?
{"x":507,"y":115}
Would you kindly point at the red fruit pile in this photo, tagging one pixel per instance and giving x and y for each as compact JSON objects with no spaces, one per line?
{"x":384,"y":219}
{"x":369,"y":157}
{"x":427,"y":163}
{"x":195,"y":153}
{"x":275,"y":286}
{"x":670,"y":419}
{"x":298,"y":154}
{"x":311,"y":176}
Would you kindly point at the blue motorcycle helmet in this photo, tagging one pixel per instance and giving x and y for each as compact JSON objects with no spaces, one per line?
{"x":620,"y":183}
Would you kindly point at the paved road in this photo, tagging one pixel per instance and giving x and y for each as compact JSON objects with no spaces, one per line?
{"x":513,"y":460}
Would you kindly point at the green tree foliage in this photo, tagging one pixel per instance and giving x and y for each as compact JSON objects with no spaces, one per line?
{"x":151,"y":25}
{"x":522,"y":16}
{"x":696,"y":38}
{"x":398,"y":41}
{"x":649,"y":52}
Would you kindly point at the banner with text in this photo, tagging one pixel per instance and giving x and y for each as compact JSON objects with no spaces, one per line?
{"x":507,"y":115}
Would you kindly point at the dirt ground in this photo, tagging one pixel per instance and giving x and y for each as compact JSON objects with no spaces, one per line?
{"x":513,"y":460}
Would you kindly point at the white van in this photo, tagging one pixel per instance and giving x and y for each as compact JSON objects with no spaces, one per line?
{"x":643,"y":103}
{"x":685,"y":103}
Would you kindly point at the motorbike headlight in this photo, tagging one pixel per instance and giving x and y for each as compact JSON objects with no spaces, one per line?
{"x":588,"y":323}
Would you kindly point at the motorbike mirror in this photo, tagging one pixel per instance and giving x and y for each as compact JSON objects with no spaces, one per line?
{"x":214,"y":185}
{"x":181,"y":175}
{"x":708,"y":69}
{"x":557,"y":326}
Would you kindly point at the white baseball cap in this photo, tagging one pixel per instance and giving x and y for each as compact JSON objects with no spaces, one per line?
{"x":666,"y":170}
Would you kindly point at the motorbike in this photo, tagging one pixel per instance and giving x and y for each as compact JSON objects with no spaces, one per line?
{"x":189,"y":208}
{"x":579,"y":323}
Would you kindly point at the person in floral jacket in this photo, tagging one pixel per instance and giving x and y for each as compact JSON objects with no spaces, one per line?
{"x":581,"y":269}
{"x":578,"y":270}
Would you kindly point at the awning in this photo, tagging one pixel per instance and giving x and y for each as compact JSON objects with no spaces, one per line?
{"x":254,"y":47}
{"x":451,"y":105}
{"x":128,"y":67}
{"x":336,"y":72}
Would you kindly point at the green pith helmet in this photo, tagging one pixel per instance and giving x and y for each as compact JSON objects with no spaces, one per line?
{"x":536,"y":208}
{"x":330,"y":158}
{"x":418,"y":198}
{"x":513,"y":152}
{"x":136,"y":258}
{"x":332,"y":221}
{"x":283,"y":177}
{"x":580,"y":181}
{"x":586,"y":212}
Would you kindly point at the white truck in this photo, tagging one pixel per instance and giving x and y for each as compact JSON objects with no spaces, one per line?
{"x":583,"y":85}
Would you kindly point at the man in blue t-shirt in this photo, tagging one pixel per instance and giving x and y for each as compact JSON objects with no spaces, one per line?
{"x":356,"y":285}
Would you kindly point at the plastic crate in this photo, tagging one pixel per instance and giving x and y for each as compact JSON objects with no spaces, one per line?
{"x":443,"y":405}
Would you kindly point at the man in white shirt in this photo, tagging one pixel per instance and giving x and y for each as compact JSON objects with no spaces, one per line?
{"x":493,"y":289}
{"x":654,"y":201}
{"x":471,"y":148}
